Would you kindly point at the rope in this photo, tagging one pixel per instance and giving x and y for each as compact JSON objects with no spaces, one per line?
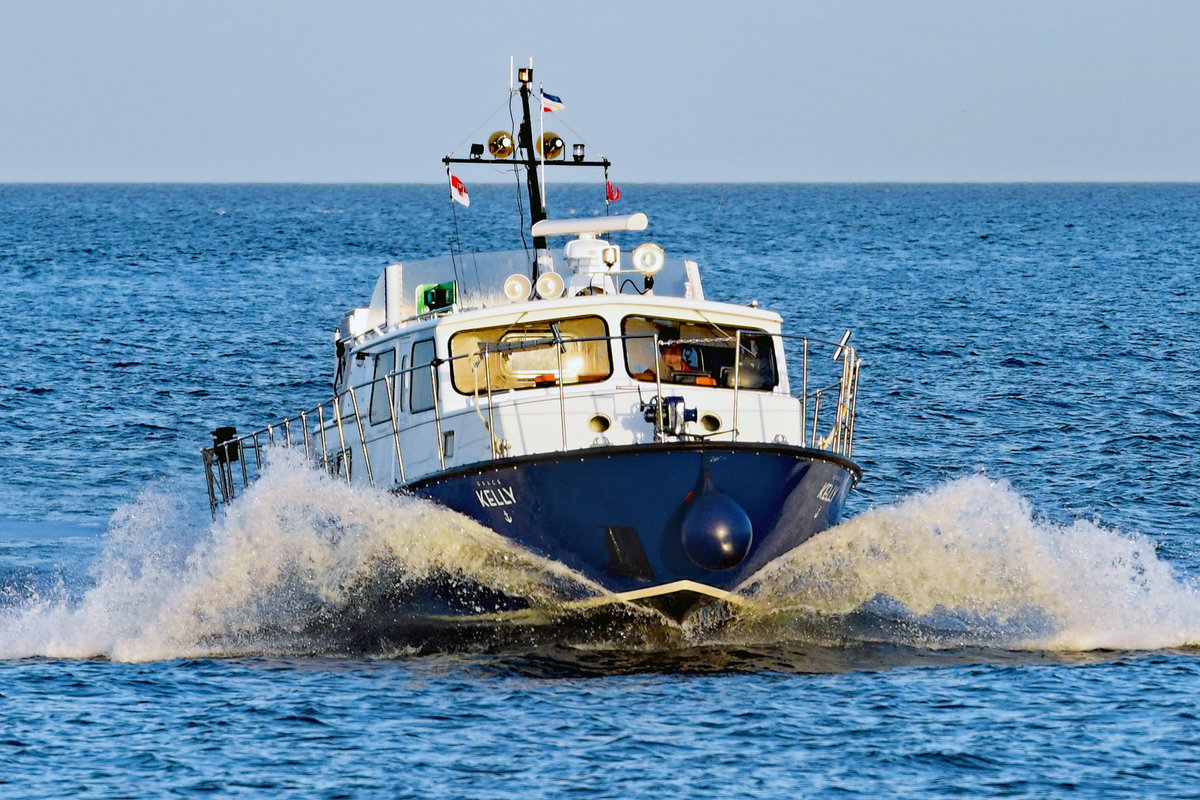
{"x":457,"y":240}
{"x":512,"y":123}
{"x":483,"y":124}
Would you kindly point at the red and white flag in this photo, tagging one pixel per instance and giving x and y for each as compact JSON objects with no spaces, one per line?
{"x":458,"y":191}
{"x":611,"y":193}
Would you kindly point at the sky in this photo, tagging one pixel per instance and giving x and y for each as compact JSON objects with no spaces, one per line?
{"x":700,"y":91}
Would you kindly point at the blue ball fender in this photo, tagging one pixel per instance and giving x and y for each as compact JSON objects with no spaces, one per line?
{"x":716,"y":532}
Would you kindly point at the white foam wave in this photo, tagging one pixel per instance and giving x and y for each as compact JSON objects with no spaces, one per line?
{"x":295,"y":550}
{"x":300,"y":555}
{"x":969,"y":563}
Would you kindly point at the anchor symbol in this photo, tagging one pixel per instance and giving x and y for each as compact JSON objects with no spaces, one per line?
{"x":507,"y":516}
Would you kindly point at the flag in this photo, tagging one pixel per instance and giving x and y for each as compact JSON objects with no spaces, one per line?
{"x":550,"y":102}
{"x":611,"y":193}
{"x":458,"y":191}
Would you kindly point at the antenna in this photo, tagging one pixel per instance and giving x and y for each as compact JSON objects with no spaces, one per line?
{"x":541,"y":137}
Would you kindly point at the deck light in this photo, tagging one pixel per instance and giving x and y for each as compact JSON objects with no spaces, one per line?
{"x":550,"y":285}
{"x":517,"y":288}
{"x":648,"y":258}
{"x":577,"y":152}
{"x":476,"y":151}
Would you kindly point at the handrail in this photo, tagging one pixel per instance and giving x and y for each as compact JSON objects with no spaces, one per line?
{"x":437,"y":412}
{"x":391,"y":393}
{"x":737,"y":380}
{"x":218,"y":459}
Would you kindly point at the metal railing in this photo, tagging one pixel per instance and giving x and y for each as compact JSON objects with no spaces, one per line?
{"x":227,"y":463}
{"x":222,"y":477}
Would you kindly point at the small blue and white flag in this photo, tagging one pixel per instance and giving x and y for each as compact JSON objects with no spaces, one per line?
{"x":550,"y":102}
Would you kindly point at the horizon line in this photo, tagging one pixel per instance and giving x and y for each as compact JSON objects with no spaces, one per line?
{"x":1022,"y":182}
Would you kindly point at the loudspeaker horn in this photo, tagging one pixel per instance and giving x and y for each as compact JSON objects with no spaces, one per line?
{"x":550,"y":145}
{"x":500,"y":144}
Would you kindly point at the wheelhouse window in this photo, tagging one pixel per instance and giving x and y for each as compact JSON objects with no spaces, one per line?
{"x":528,"y":355}
{"x":420,"y":385}
{"x":385,"y":364}
{"x":698,"y":353}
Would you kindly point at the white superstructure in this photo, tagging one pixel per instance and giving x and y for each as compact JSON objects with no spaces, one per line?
{"x":479,"y":377}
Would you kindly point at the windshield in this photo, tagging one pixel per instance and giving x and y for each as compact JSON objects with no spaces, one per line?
{"x":698,"y":353}
{"x":531,"y":354}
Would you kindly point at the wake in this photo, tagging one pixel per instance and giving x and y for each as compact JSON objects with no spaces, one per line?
{"x":968,"y":564}
{"x":302,"y":564}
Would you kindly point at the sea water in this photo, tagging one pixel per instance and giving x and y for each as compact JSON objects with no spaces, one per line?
{"x":1011,"y":607}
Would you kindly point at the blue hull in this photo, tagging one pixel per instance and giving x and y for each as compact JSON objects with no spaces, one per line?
{"x":615,"y":514}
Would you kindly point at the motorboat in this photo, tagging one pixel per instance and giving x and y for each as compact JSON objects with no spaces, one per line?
{"x":588,"y":402}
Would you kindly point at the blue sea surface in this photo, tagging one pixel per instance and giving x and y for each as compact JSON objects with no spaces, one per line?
{"x":1011,"y":608}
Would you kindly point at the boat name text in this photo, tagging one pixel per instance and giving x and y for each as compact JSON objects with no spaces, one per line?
{"x":494,"y":498}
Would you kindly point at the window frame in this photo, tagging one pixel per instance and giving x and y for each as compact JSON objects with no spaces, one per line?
{"x":710,"y":377}
{"x":422,"y":378}
{"x":603,"y":339}
{"x":377,"y":410}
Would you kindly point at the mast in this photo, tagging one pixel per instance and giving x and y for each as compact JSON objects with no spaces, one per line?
{"x":531,"y":161}
{"x":537,"y":206}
